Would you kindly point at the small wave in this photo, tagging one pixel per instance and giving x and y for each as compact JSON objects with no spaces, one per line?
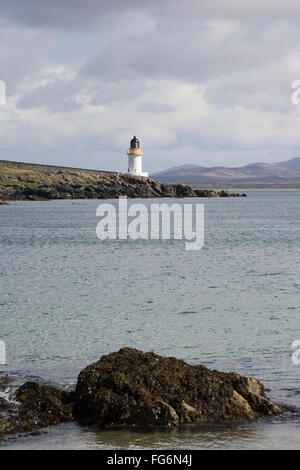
{"x":7,"y":396}
{"x":187,"y":312}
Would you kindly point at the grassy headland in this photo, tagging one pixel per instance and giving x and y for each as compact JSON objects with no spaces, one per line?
{"x":44,"y":184}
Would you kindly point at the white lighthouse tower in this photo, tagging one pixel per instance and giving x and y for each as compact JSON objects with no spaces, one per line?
{"x":135,"y":159}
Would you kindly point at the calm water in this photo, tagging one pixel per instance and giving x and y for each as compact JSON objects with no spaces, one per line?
{"x":68,"y":298}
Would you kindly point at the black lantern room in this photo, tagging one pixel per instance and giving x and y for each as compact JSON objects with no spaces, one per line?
{"x":134,"y":143}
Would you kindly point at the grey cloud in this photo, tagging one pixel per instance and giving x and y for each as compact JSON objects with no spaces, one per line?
{"x":195,"y":54}
{"x":76,"y":14}
{"x":266,"y":87}
{"x":153,"y":107}
{"x":61,"y":14}
{"x":115,"y":91}
{"x":59,"y":95}
{"x":22,"y":53}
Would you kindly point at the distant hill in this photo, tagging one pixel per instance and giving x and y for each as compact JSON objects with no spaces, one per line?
{"x":255,"y":173}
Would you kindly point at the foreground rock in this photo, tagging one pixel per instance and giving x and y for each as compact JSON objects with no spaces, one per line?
{"x":35,"y":406}
{"x":22,"y":184}
{"x":44,"y":404}
{"x":133,"y":388}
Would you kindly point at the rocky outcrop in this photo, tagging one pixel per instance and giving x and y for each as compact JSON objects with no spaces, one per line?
{"x":35,"y":406}
{"x":133,"y":388}
{"x":21,"y":184}
{"x":45,"y":404}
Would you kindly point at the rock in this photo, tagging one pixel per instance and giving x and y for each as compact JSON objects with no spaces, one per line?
{"x":134,"y":388}
{"x":206,"y":193}
{"x":3,"y":203}
{"x":39,"y":405}
{"x":45,"y":404}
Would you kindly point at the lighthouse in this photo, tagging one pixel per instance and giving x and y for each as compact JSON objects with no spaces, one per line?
{"x":135,"y":158}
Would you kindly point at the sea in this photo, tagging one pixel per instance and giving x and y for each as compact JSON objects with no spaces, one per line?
{"x":67,"y":298}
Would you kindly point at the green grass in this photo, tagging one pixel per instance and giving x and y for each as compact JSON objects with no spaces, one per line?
{"x":10,"y":176}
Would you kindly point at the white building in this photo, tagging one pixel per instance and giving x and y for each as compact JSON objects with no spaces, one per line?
{"x":135,"y":159}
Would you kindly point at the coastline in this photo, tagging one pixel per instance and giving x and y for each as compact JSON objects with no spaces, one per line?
{"x":22,"y":184}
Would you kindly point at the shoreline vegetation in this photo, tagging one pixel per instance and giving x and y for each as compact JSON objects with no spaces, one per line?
{"x":130,"y":388}
{"x":22,"y":182}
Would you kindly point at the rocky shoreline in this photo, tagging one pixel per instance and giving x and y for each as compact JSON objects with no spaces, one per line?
{"x":131,"y":388}
{"x":32,"y":185}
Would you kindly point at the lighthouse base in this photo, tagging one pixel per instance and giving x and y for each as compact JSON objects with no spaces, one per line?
{"x":142,"y":173}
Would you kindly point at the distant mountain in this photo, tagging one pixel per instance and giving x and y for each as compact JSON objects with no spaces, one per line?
{"x":293,"y":164}
{"x":282,"y":172}
{"x":178,"y":168}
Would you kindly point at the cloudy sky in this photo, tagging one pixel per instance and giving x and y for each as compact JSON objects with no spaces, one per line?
{"x":199,"y":82}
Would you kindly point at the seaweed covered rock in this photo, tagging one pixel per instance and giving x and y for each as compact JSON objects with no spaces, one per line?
{"x":35,"y":406}
{"x":133,"y":388}
{"x":44,"y":404}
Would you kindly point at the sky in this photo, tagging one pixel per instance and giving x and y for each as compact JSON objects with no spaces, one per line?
{"x":206,"y":83}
